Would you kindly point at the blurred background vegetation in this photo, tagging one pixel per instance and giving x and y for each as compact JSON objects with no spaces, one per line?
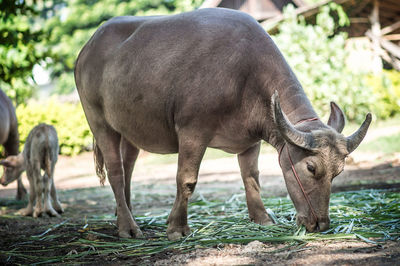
{"x":50,"y":34}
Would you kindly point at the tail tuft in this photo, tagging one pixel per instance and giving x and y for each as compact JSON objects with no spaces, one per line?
{"x":99,"y":162}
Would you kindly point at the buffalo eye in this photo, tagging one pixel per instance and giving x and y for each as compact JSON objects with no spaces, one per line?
{"x":311,"y":168}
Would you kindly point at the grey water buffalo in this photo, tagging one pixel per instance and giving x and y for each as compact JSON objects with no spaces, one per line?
{"x":9,"y":136}
{"x":207,"y":78}
{"x":40,"y":153}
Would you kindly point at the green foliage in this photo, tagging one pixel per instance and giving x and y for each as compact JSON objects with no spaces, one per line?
{"x":20,"y":48}
{"x":72,"y":26}
{"x":68,"y":119}
{"x":318,"y":57}
{"x":311,"y":2}
{"x":386,"y":144}
{"x":386,"y":89}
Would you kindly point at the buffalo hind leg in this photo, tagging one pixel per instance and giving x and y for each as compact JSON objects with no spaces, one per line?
{"x":50,"y":194}
{"x":39,"y":189}
{"x":53,"y":192}
{"x":56,"y":203}
{"x":129,"y":155}
{"x":108,"y":141}
{"x":47,"y":184}
{"x":191,"y":152}
{"x":248,"y":162}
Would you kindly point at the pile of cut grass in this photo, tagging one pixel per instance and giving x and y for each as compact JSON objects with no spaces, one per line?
{"x":369,"y":215}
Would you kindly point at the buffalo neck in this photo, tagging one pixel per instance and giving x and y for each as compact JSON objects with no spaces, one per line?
{"x":296,"y":106}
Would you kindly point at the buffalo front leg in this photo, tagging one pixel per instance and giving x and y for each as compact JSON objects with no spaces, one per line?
{"x":248,"y":162}
{"x":191,"y":152}
{"x":109,"y":143}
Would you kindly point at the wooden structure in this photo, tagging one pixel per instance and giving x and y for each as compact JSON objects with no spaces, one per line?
{"x":378,"y":20}
{"x":259,"y":9}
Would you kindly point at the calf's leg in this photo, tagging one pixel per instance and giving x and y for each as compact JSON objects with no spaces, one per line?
{"x":47,"y":183}
{"x":248,"y":162}
{"x":191,"y":151}
{"x":32,"y":196}
{"x":56,"y":203}
{"x":39,"y":189}
{"x":21,"y":191}
{"x":53,"y":193}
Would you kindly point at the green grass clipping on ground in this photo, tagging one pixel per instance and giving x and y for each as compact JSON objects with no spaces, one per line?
{"x":372,"y":216}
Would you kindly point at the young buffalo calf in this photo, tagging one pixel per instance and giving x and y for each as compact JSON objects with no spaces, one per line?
{"x":40,"y":153}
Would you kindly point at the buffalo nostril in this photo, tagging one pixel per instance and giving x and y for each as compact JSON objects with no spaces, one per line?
{"x":311,"y":227}
{"x":323,"y":226}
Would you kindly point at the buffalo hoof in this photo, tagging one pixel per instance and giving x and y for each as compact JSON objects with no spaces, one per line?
{"x":262,"y":220}
{"x":175,"y":233}
{"x":128,"y":229}
{"x":25,"y":212}
{"x":37,"y":213}
{"x":58,"y":208}
{"x":51,"y":212}
{"x":129,"y":234}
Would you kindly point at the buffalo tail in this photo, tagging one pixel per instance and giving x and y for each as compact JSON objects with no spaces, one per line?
{"x":99,"y":162}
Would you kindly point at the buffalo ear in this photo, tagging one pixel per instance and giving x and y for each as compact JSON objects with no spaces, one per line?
{"x":6,"y":163}
{"x":336,"y":118}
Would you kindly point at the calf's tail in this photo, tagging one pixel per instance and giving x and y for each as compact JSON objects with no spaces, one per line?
{"x":47,"y":162}
{"x":48,"y":159}
{"x":99,"y":162}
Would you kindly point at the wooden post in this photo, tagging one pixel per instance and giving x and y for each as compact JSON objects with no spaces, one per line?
{"x":376,"y":35}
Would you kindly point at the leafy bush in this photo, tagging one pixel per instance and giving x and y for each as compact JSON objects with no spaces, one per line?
{"x":386,"y":89}
{"x":318,"y":57}
{"x":69,"y":120}
{"x":72,"y":25}
{"x":21,"y":47}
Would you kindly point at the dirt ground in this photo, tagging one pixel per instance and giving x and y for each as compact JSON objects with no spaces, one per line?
{"x":314,"y":253}
{"x":218,"y":178}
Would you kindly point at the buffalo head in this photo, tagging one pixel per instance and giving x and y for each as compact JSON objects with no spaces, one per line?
{"x":316,"y":153}
{"x":13,"y":168}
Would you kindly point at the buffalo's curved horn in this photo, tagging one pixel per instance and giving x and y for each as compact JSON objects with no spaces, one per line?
{"x":355,"y":139}
{"x":291,"y":134}
{"x":336,"y":118}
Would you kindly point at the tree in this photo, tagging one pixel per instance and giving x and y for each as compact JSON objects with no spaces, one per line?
{"x":72,"y":26}
{"x":21,"y":48}
{"x":318,"y":56}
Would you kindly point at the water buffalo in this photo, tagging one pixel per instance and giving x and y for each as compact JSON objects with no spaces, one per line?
{"x":9,"y":136}
{"x":40,"y":153}
{"x":207,"y":78}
